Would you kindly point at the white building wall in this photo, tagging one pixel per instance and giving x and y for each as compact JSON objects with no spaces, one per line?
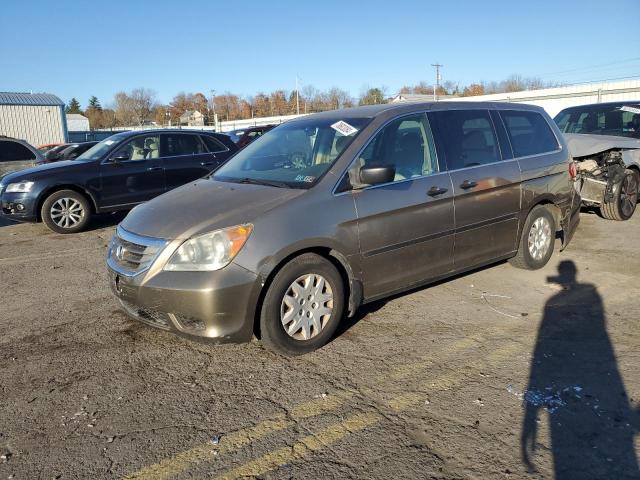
{"x":36,"y":124}
{"x":555,"y":99}
{"x":77,"y":123}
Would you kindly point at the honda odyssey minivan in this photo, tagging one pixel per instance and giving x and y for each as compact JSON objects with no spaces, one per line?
{"x":327,"y":212}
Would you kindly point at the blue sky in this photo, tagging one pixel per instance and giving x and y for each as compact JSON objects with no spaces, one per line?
{"x":74,"y":48}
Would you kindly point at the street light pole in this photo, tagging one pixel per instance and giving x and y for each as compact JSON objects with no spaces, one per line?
{"x":297,"y":97}
{"x":213,"y":107}
{"x":437,"y":85}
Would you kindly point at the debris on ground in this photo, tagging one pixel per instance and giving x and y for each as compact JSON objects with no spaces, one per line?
{"x":215,"y":439}
{"x":550,"y":399}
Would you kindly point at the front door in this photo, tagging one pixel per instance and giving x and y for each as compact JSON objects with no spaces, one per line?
{"x":136,"y":176}
{"x":486,"y":188}
{"x":406,"y":226}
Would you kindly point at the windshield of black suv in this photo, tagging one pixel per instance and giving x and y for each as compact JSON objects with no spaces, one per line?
{"x":295,"y":154}
{"x":622,"y":120}
{"x":99,"y":149}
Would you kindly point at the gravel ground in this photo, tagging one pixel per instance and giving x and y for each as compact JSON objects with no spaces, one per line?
{"x":500,"y":373}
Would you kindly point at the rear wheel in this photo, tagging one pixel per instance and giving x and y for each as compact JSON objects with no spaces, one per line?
{"x":66,"y":211}
{"x":625,"y":198}
{"x":303,"y":306}
{"x":537,"y":240}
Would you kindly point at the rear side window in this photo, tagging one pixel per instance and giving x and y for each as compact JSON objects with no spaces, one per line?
{"x":12,"y":151}
{"x":181,"y":144}
{"x":467,"y":137}
{"x":529,"y":133}
{"x":213,"y":144}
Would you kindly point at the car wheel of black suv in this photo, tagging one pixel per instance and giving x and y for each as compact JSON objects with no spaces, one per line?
{"x":537,"y":240}
{"x":625,"y":198}
{"x":303,"y":306}
{"x":66,"y":211}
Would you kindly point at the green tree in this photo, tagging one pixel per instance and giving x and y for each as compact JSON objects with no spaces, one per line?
{"x":73,"y":106}
{"x":372,"y":96}
{"x":94,"y":104}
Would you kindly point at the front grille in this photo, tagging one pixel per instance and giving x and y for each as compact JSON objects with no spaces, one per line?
{"x":130,"y":254}
{"x":148,"y":315}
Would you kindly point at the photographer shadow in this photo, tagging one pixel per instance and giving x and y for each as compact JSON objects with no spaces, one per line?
{"x":574,"y":377}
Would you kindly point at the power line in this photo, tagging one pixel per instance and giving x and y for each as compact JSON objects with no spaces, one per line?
{"x":589,"y":67}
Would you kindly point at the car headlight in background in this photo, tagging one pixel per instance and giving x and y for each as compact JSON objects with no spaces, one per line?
{"x":211,"y":251}
{"x":21,"y":187}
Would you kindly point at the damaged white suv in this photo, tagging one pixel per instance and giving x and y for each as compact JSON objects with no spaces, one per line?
{"x":604,"y":140}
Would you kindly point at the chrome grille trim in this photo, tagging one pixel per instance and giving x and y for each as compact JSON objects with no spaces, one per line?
{"x":130,"y":254}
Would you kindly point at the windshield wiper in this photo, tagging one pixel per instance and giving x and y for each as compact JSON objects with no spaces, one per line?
{"x":255,"y":181}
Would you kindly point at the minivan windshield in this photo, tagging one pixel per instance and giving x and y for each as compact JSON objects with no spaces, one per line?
{"x":294,"y":155}
{"x":99,"y":149}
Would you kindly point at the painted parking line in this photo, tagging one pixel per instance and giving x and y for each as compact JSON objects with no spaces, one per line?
{"x":240,"y":438}
{"x":352,"y":424}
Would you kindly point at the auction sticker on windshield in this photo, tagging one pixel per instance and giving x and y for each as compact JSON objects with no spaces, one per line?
{"x":344,"y":128}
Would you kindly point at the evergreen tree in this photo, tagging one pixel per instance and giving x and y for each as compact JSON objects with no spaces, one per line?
{"x":73,"y":106}
{"x":94,"y":103}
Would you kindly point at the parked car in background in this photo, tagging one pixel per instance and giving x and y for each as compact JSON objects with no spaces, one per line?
{"x":604,"y":139}
{"x":66,"y":152}
{"x":47,"y":146}
{"x":115,"y":174}
{"x":251,"y":134}
{"x":337,"y":209}
{"x":235,"y":135}
{"x":244,"y":136}
{"x":16,"y":155}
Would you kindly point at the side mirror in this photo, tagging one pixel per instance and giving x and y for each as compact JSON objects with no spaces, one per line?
{"x":119,"y":157}
{"x":375,"y":175}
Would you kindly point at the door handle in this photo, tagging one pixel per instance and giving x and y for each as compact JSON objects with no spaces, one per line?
{"x":435,"y":191}
{"x":467,"y":184}
{"x":153,"y":169}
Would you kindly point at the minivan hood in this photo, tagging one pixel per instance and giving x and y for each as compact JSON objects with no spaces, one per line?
{"x":203,"y":206}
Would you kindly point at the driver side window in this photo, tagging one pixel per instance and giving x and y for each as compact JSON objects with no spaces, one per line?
{"x":406,"y":144}
{"x":141,"y":148}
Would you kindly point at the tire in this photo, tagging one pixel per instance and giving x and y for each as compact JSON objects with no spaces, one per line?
{"x":536,"y":255}
{"x":54,"y":208}
{"x":625,"y":198}
{"x":284,"y":307}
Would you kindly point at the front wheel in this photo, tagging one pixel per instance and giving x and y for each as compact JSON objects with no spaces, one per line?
{"x":66,"y":211}
{"x":625,"y":199}
{"x":303,"y":306}
{"x":537,"y":240}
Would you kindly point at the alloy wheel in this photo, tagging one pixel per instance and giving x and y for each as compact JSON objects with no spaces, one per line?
{"x":67,"y":212}
{"x":540,"y":238}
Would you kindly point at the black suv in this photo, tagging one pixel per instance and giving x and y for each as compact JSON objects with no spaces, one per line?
{"x":116,"y":174}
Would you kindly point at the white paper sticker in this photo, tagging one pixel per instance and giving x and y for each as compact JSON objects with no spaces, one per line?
{"x":344,"y":128}
{"x":630,"y":109}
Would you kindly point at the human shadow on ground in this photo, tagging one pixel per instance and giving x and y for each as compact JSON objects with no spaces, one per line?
{"x":574,"y":379}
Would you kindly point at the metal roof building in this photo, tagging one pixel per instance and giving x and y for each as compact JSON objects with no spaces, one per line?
{"x":37,"y":118}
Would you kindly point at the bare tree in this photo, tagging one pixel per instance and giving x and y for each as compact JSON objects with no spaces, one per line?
{"x":142,"y":101}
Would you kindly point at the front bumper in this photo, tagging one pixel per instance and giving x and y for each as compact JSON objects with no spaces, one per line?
{"x":19,"y":206}
{"x":218,"y":306}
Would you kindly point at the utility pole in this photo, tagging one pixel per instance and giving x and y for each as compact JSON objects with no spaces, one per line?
{"x":213,"y":107}
{"x":437,"y":85}
{"x":297,"y":97}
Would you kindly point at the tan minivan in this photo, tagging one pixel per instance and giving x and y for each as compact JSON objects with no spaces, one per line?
{"x":333,"y":210}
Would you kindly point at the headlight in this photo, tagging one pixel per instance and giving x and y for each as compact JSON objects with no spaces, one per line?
{"x":21,"y":187}
{"x":211,"y":251}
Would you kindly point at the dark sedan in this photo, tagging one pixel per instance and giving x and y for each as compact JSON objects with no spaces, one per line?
{"x":118,"y":173}
{"x":68,"y":151}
